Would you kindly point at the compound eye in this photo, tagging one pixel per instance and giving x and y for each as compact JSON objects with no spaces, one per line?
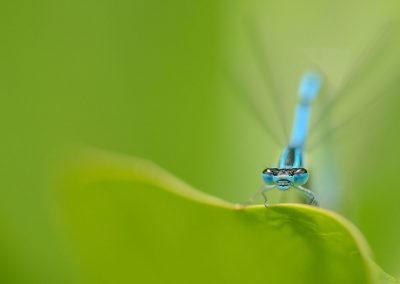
{"x":267,"y":171}
{"x":270,"y":171}
{"x":300,"y":171}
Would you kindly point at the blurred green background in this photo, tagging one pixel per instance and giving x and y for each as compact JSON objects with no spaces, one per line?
{"x":144,"y":78}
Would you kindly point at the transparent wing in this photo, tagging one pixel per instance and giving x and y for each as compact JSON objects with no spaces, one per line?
{"x":364,"y":108}
{"x":260,"y":57}
{"x":371,"y":78}
{"x":247,"y":96}
{"x":253,"y":84}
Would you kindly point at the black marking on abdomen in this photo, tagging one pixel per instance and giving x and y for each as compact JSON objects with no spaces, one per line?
{"x":290,"y":156}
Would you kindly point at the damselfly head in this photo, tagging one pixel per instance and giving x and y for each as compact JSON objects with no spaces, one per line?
{"x":285,"y":178}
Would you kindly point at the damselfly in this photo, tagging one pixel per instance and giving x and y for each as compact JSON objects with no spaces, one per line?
{"x":290,"y":173}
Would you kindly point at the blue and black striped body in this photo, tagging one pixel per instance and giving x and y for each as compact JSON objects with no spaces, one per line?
{"x":290,"y":171}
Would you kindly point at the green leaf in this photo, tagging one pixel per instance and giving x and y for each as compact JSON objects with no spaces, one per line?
{"x":129,"y":221}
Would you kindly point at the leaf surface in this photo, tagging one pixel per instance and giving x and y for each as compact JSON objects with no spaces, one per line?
{"x":129,"y":221}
